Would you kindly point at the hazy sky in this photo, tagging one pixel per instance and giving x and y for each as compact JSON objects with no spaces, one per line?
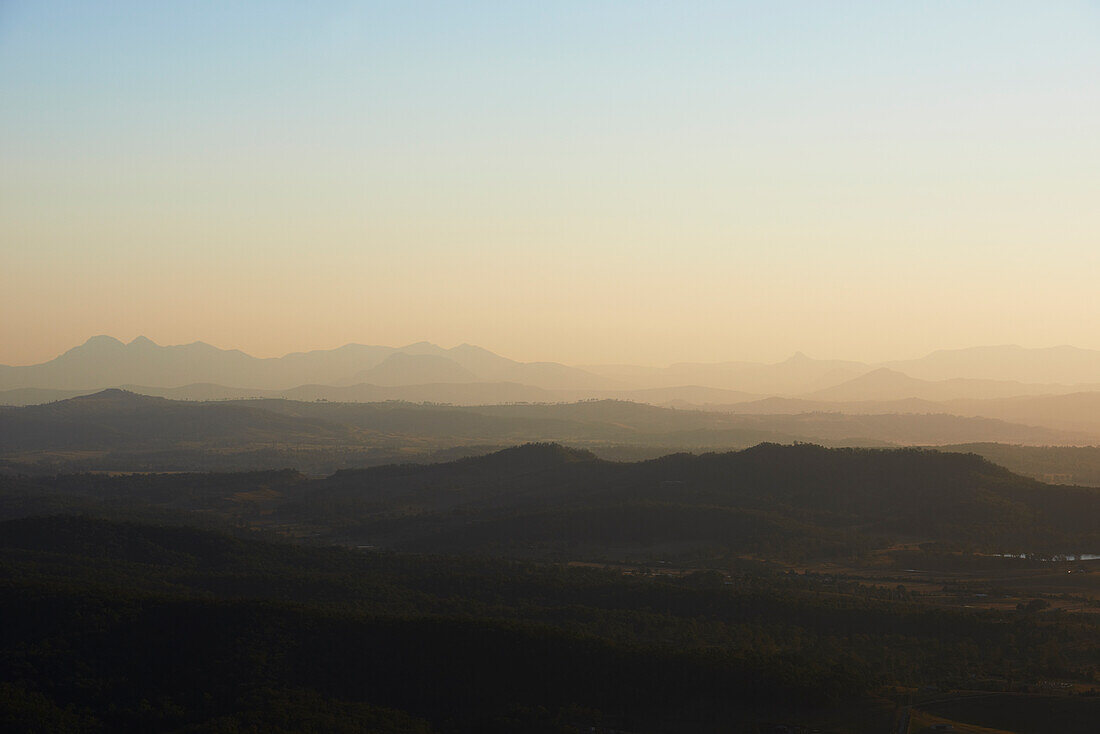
{"x":576,"y":181}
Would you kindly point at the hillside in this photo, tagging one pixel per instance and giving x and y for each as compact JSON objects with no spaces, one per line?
{"x":1075,"y":465}
{"x":119,"y":431}
{"x":789,"y":499}
{"x":119,"y":419}
{"x":549,"y":501}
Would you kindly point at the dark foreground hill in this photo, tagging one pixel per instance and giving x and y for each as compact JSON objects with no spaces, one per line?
{"x":114,"y":626}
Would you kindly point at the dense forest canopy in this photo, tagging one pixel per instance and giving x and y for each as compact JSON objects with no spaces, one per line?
{"x":239,"y":632}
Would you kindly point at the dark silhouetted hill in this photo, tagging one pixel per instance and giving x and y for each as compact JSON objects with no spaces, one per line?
{"x":803,"y":499}
{"x":116,"y":418}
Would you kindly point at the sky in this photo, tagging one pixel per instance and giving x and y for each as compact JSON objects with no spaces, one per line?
{"x":583,"y":182}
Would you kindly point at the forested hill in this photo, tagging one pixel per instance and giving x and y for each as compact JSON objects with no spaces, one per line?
{"x":546,"y":500}
{"x":771,"y":496}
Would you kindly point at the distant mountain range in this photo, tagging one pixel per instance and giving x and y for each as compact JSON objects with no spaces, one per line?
{"x":468,"y":374}
{"x":104,"y":361}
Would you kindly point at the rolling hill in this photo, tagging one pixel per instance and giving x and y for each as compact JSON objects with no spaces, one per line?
{"x":115,"y":420}
{"x":551,"y":501}
{"x":798,"y":499}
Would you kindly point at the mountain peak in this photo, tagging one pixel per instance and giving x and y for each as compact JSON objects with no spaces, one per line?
{"x":142,"y":341}
{"x":115,"y":396}
{"x":97,"y":347}
{"x":473,"y":348}
{"x":536,"y":456}
{"x":102,"y":340}
{"x":883,"y":376}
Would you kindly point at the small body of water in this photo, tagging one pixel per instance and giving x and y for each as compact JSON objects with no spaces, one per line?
{"x":1066,"y":557}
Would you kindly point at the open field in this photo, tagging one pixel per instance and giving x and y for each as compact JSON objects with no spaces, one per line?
{"x":1019,"y":713}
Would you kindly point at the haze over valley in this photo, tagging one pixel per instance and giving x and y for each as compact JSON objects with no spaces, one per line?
{"x":788,"y":400}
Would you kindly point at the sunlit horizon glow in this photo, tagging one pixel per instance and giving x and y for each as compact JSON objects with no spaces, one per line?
{"x":604,"y":182}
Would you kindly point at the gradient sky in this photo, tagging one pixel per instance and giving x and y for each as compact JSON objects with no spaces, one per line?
{"x":571,"y":181}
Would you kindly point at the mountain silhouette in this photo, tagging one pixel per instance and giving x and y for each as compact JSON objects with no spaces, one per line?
{"x":113,"y":419}
{"x":977,"y":373}
{"x":104,"y":361}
